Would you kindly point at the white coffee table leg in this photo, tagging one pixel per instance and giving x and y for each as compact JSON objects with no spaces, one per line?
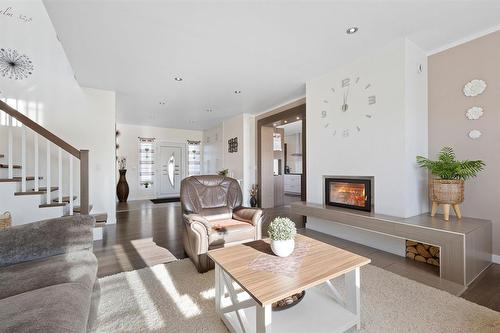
{"x":263,"y":318}
{"x":219,"y":289}
{"x":352,"y":281}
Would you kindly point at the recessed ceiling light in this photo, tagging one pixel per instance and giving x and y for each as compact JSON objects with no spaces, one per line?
{"x":351,"y":30}
{"x":162,"y":102}
{"x":298,"y":118}
{"x":275,"y":124}
{"x":237,"y":91}
{"x":286,"y":121}
{"x":178,"y":78}
{"x":209,"y":110}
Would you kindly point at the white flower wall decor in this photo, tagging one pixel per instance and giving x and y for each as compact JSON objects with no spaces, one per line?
{"x":474,"y":88}
{"x":474,"y":113}
{"x":475,"y":134}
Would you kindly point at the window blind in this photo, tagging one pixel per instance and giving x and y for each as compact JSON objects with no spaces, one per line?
{"x":146,"y":162}
{"x":194,"y":157}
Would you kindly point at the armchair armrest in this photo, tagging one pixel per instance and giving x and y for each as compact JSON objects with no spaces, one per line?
{"x":246,"y":214}
{"x":45,"y":238}
{"x":191,"y":219}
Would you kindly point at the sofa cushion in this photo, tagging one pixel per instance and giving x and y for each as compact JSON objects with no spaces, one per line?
{"x":229,"y":231}
{"x":56,"y":309}
{"x":79,"y":266}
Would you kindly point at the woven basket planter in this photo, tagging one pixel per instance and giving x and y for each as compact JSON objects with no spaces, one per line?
{"x":5,"y":220}
{"x":445,"y":191}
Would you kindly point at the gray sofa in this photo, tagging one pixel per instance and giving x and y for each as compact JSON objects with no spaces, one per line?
{"x":48,"y":276}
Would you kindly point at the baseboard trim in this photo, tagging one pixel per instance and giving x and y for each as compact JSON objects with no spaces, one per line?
{"x":495,"y":258}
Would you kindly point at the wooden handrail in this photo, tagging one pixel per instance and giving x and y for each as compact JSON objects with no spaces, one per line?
{"x":39,"y":129}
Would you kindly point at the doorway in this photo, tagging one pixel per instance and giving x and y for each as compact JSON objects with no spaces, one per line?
{"x":281,"y":157}
{"x":172,"y":169}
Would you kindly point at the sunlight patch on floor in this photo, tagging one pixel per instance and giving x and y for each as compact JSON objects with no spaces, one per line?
{"x":208,"y":294}
{"x":184,"y":303}
{"x":148,"y":308}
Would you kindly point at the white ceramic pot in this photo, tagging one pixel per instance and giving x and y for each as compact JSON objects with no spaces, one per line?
{"x":282,"y":248}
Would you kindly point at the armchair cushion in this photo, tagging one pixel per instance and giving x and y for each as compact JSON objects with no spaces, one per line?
{"x":250,"y":215}
{"x":45,"y":238}
{"x":230,"y":231}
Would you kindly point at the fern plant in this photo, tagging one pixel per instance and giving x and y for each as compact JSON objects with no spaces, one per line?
{"x":447,"y":167}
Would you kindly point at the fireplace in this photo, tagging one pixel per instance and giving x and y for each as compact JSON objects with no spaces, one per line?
{"x":349,"y":192}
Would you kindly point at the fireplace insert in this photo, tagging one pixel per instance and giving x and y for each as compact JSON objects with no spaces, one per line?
{"x":354,"y":193}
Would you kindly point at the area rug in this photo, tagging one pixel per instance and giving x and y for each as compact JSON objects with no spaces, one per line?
{"x":165,"y":200}
{"x":174,"y":297}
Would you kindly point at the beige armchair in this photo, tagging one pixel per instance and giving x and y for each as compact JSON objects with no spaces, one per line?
{"x":213,"y":217}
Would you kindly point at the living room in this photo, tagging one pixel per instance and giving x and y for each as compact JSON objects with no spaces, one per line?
{"x":145,"y":147}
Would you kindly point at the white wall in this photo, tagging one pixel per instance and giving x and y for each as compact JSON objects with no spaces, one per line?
{"x":416,"y":128}
{"x":387,"y":143}
{"x":212,"y":150}
{"x":129,"y":147}
{"x":241,"y":164}
{"x":85,"y":118}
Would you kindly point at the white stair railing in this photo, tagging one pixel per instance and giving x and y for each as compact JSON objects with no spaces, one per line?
{"x":13,"y":118}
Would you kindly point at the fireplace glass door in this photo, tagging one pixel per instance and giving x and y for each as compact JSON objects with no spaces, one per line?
{"x":348,"y":193}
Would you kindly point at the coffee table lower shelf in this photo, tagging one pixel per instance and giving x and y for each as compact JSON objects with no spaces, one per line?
{"x":321,"y":310}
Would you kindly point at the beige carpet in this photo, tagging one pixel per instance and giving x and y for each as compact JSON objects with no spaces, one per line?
{"x":175,"y":298}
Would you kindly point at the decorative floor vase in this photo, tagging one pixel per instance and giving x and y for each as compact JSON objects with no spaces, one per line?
{"x":253,"y":202}
{"x":122,"y":187}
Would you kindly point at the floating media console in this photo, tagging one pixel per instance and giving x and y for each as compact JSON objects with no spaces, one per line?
{"x":465,"y":245}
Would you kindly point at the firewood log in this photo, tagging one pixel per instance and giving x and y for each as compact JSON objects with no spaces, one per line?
{"x":422,"y":251}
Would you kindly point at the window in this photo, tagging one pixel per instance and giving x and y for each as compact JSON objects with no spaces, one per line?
{"x":194,"y":158}
{"x":146,"y":162}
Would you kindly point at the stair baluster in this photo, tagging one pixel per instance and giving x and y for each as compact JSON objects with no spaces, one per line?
{"x":35,"y":143}
{"x":70,"y":184}
{"x":11,"y":170}
{"x":59,"y":170}
{"x":48,"y":184}
{"x":23,"y":159}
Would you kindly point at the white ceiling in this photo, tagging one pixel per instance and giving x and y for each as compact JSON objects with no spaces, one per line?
{"x":265,"y":49}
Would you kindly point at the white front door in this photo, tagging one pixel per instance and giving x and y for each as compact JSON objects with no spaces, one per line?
{"x":171,"y":162}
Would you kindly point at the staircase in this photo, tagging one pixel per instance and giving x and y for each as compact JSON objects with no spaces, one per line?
{"x":28,"y":190}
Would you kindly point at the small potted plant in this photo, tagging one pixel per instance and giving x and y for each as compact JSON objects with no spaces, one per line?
{"x":448,"y":186}
{"x":253,"y":195}
{"x":282,"y":233}
{"x":223,"y":172}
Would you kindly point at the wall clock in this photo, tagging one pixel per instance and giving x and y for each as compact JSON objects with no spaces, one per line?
{"x":348,"y":106}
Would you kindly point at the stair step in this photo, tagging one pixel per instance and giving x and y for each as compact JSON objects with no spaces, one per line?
{"x":65,"y":199}
{"x":100,"y":218}
{"x":41,"y":190}
{"x":76,"y":209}
{"x":44,"y":188}
{"x":54,"y":204}
{"x":6,"y":166}
{"x":17,"y":179}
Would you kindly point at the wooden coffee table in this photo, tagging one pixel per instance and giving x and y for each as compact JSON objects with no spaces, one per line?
{"x":245,"y":287}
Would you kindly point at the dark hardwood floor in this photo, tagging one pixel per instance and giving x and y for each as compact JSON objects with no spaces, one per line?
{"x":147,"y":234}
